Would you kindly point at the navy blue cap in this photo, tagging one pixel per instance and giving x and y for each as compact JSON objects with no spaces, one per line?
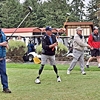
{"x":48,"y":28}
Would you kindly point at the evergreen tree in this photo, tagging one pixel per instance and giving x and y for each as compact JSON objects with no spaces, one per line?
{"x":11,"y":12}
{"x":32,"y":18}
{"x":77,"y":7}
{"x":55,"y":12}
{"x":98,"y":11}
{"x":2,"y":2}
{"x":49,"y":12}
{"x":92,"y":9}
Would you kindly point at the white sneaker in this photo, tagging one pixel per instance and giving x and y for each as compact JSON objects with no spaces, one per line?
{"x":68,"y":72}
{"x":37,"y":81}
{"x":83,"y":73}
{"x":58,"y":79}
{"x":99,"y":65}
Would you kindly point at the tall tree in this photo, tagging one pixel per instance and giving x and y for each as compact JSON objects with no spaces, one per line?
{"x":92,"y":10}
{"x":31,"y":20}
{"x":11,"y":12}
{"x":55,"y":12}
{"x":98,"y":12}
{"x":78,"y":9}
{"x":2,"y":2}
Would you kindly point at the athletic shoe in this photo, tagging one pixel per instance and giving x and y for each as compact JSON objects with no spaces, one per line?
{"x":68,"y":72}
{"x":83,"y":73}
{"x":6,"y":90}
{"x":87,"y":66}
{"x":37,"y":81}
{"x":58,"y":79}
{"x":99,"y":65}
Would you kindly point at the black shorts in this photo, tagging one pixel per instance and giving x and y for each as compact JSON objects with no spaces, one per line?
{"x":95,"y":52}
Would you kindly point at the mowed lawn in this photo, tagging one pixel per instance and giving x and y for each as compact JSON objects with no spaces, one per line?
{"x":73,"y":87}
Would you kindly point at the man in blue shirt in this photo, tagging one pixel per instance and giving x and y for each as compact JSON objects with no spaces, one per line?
{"x":49,"y":43}
{"x":30,"y":46}
{"x":3,"y":75}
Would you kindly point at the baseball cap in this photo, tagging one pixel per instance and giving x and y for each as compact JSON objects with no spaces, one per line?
{"x":79,"y":28}
{"x":48,"y":28}
{"x":95,"y":28}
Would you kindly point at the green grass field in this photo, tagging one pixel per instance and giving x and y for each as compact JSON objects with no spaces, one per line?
{"x":73,"y":87}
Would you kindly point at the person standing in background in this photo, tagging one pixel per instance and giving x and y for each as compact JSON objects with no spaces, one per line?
{"x":78,"y":51}
{"x":94,"y":42}
{"x":31,"y":46}
{"x":59,"y":40}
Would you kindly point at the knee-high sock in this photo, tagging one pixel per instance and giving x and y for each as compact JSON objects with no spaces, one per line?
{"x":40,"y":70}
{"x":56,"y":70}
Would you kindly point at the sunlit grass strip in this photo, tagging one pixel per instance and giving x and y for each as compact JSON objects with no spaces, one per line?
{"x":48,"y":67}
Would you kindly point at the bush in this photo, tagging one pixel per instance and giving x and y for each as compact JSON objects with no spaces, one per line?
{"x":61,"y":49}
{"x":39,"y":49}
{"x":16,"y":50}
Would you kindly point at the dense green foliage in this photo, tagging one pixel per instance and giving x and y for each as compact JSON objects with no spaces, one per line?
{"x":77,"y":9}
{"x":49,"y":12}
{"x":93,"y":14}
{"x":39,"y":49}
{"x":16,"y":50}
{"x":60,"y":49}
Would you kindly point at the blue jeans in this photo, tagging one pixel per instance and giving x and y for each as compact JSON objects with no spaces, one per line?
{"x":4,"y":79}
